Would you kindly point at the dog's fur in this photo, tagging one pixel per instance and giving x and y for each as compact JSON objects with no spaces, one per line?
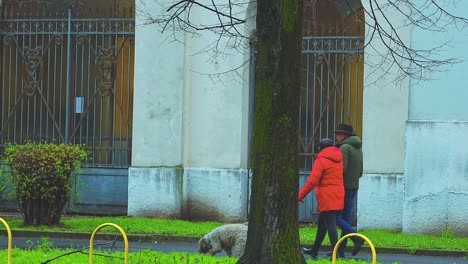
{"x":230,"y":238}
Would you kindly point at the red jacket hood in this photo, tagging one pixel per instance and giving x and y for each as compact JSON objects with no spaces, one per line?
{"x":332,"y":153}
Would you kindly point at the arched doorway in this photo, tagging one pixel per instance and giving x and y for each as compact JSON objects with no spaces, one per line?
{"x":332,"y":79}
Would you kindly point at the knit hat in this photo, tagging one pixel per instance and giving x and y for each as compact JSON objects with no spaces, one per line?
{"x":325,"y":143}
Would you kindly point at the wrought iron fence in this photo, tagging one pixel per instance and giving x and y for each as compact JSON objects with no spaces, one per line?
{"x":67,"y":79}
{"x":331,"y":91}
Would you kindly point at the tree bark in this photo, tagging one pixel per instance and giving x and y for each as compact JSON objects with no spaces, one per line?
{"x":273,"y":235}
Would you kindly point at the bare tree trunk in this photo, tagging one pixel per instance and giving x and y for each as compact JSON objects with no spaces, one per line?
{"x":273,"y":235}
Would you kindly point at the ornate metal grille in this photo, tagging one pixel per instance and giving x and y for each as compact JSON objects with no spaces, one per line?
{"x":331,"y":91}
{"x":68,"y":79}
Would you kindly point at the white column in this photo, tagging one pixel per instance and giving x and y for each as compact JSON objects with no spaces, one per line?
{"x":213,"y":106}
{"x":385,"y":111}
{"x":159,"y":69}
{"x":189,"y":133}
{"x":215,"y":123}
{"x":155,"y":178}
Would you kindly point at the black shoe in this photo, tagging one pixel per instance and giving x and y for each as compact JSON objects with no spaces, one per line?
{"x":357,"y":247}
{"x":310,"y":252}
{"x":338,"y":255}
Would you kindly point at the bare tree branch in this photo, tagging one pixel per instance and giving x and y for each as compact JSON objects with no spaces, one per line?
{"x":82,"y":252}
{"x":419,"y":64}
{"x":179,"y":16}
{"x":429,"y":15}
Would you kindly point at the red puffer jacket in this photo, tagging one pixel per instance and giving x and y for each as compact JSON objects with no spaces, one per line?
{"x":327,"y":179}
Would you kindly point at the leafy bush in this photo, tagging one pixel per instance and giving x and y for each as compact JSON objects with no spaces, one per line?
{"x":6,"y":190}
{"x":41,"y":177}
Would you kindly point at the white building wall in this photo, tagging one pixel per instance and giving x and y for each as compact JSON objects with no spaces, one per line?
{"x":189,"y":129}
{"x":415,"y":177}
{"x":214,"y":95}
{"x":380,"y":201}
{"x":157,"y":120}
{"x":213,"y":126}
{"x":215,"y":175}
{"x":158,"y":87}
{"x":436,"y":180}
{"x":385,"y":111}
{"x":191,"y":135}
{"x":436,"y":177}
{"x":215,"y":194}
{"x":155,"y":192}
{"x":443,"y":97}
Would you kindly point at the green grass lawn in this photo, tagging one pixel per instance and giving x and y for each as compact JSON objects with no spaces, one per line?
{"x":385,"y":238}
{"x":36,"y":256}
{"x":141,"y":225}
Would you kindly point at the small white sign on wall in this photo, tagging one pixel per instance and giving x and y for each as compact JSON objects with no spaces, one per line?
{"x":79,"y":105}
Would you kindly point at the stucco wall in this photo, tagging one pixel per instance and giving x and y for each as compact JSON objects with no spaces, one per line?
{"x":424,"y":158}
{"x":444,"y":96}
{"x":155,"y":192}
{"x":436,"y":178}
{"x":385,"y":104}
{"x":248,"y":86}
{"x":214,"y":102}
{"x":190,"y":193}
{"x":158,"y":93}
{"x":190,"y":129}
{"x":385,"y":111}
{"x":215,"y":194}
{"x":380,"y":201}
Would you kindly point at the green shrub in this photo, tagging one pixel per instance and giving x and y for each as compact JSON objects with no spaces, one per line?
{"x":6,"y":190}
{"x":41,"y":177}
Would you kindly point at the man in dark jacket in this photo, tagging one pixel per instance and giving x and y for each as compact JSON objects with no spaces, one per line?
{"x":351,"y":147}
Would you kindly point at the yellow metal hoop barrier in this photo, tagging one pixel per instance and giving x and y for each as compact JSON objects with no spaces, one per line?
{"x":9,"y":238}
{"x":374,"y":255}
{"x":91,"y":246}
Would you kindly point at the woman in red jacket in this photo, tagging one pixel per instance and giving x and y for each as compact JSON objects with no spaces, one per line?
{"x":327,"y":179}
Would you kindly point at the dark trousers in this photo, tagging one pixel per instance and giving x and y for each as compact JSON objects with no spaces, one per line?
{"x":343,"y":219}
{"x":326,"y":224}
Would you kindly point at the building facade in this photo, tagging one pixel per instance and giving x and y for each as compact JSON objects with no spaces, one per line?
{"x":414,"y":134}
{"x":192,"y":135}
{"x":174,"y":137}
{"x":190,"y":140}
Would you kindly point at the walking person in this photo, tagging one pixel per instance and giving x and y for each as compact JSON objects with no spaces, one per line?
{"x":326,"y":177}
{"x":351,"y":147}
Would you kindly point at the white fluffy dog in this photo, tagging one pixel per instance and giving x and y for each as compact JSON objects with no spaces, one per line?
{"x":230,"y":238}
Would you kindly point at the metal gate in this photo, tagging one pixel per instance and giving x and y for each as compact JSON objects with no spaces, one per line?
{"x":67,"y":77}
{"x":331,"y":93}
